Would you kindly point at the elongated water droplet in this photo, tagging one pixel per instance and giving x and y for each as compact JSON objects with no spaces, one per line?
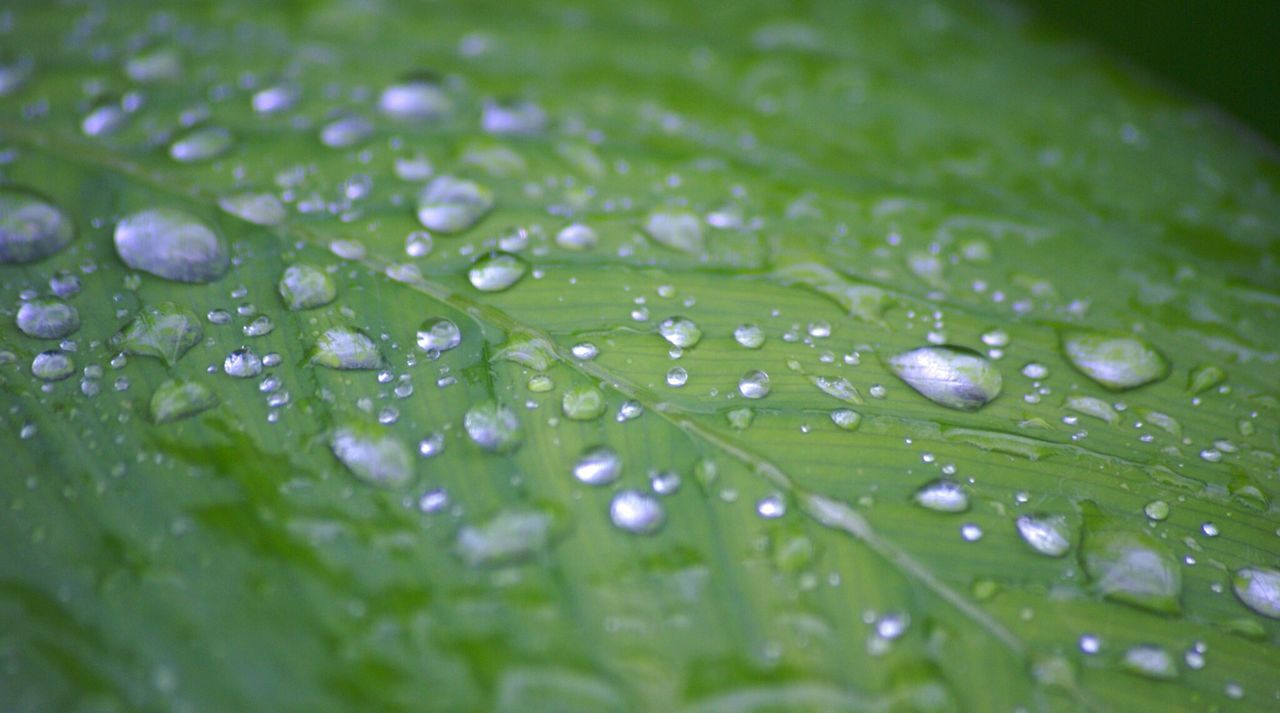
{"x":259,"y":327}
{"x":943,"y":496}
{"x":275,"y":99}
{"x":1204,"y":377}
{"x":749,"y":336}
{"x":754,"y":384}
{"x":1259,"y":589}
{"x":154,"y":64}
{"x":305,"y":286}
{"x":583,"y":403}
{"x":451,"y":205}
{"x":838,"y":387}
{"x":52,"y":365}
{"x":176,"y":400}
{"x":633,"y":511}
{"x":104,"y":119}
{"x":496,"y":272}
{"x":346,"y":131}
{"x":415,"y":100}
{"x":47,"y":318}
{"x":257,"y":208}
{"x":1151,"y":661}
{"x":172,"y":244}
{"x":346,"y":348}
{"x":521,"y":118}
{"x":510,"y":537}
{"x":1049,"y":535}
{"x":1092,"y":406}
{"x":678,"y":230}
{"x":954,"y":377}
{"x":578,"y":237}
{"x":201,"y":145}
{"x":493,"y":427}
{"x":1116,"y":361}
{"x":600,"y":465}
{"x":438,"y":334}
{"x":680,"y":332}
{"x":30,"y":228}
{"x":372,"y":454}
{"x":165,"y":331}
{"x":532,"y":352}
{"x":1130,"y":566}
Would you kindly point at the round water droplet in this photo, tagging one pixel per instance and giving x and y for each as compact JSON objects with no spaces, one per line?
{"x":432,"y":445}
{"x":1036,"y":371}
{"x":306,"y":287}
{"x":678,"y":230}
{"x":496,"y":272}
{"x":165,"y":331}
{"x":439,"y":335}
{"x":600,"y":465}
{"x":346,"y":348}
{"x":372,"y":454}
{"x":677,"y":377}
{"x":452,"y":205}
{"x":30,"y":227}
{"x":1156,"y":510}
{"x":637,"y":513}
{"x":259,"y":327}
{"x":346,"y":131}
{"x":585,"y":351}
{"x":1116,"y":361}
{"x":943,"y":496}
{"x":846,"y":419}
{"x":493,"y":427}
{"x":665,"y":482}
{"x":771,"y":507}
{"x":540,"y":383}
{"x":242,"y":363}
{"x":1151,"y":662}
{"x":578,"y":237}
{"x":47,"y":319}
{"x":970,"y":532}
{"x":1049,"y":535}
{"x":583,"y":403}
{"x":52,"y":365}
{"x":754,"y":384}
{"x":954,"y":377}
{"x":418,"y":244}
{"x":275,"y":99}
{"x":176,"y":400}
{"x":1259,"y":589}
{"x":172,"y":244}
{"x":257,"y":208}
{"x":415,"y":100}
{"x":201,"y":144}
{"x":749,"y":336}
{"x":680,"y":332}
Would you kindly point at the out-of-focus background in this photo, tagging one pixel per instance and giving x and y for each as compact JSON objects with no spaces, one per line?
{"x":1225,"y":51}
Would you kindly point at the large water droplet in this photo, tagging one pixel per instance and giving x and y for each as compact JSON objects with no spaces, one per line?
{"x":749,"y":336}
{"x":451,"y":205}
{"x":680,"y":332}
{"x":600,"y":465}
{"x":305,"y":286}
{"x":583,"y":403}
{"x":52,"y":365}
{"x":1116,"y":361}
{"x":165,"y":331}
{"x":637,"y":513}
{"x":30,"y":228}
{"x":346,"y":131}
{"x":1049,"y":535}
{"x":371,"y":454}
{"x":509,"y":537}
{"x":754,"y":384}
{"x":678,"y":230}
{"x":47,"y":318}
{"x":846,"y":419}
{"x":201,"y":144}
{"x":493,"y":427}
{"x":346,"y":348}
{"x":257,"y":208}
{"x":943,"y":496}
{"x":496,"y":272}
{"x":1150,"y":661}
{"x":104,"y":119}
{"x":1129,"y":566}
{"x":415,"y":100}
{"x":577,"y":236}
{"x":176,"y":400}
{"x":438,"y":334}
{"x":954,"y":377}
{"x":172,"y":244}
{"x":1259,"y":589}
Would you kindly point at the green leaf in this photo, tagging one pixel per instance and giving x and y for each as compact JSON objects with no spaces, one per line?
{"x":506,"y":358}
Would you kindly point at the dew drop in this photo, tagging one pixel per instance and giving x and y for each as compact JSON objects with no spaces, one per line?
{"x":275,"y":99}
{"x":346,"y":348}
{"x":754,"y":384}
{"x":256,"y":208}
{"x":585,"y":351}
{"x":154,"y":65}
{"x":509,"y":537}
{"x":970,"y":532}
{"x":1156,"y":510}
{"x":1129,"y":566}
{"x":600,"y":465}
{"x":577,"y":237}
{"x":637,"y":513}
{"x":954,"y":377}
{"x":176,"y":400}
{"x":172,"y":244}
{"x":846,"y":419}
{"x":583,"y":403}
{"x":680,"y":332}
{"x":1116,"y":361}
{"x":771,"y":507}
{"x":305,"y":286}
{"x":47,"y":319}
{"x":1259,"y":589}
{"x":432,"y":445}
{"x":373,"y":455}
{"x":1150,"y":661}
{"x":677,"y":377}
{"x":942,"y":496}
{"x":451,"y":205}
{"x":678,"y":230}
{"x":52,"y":365}
{"x":418,"y":244}
{"x":664,"y":482}
{"x":346,"y":131}
{"x":493,"y":427}
{"x":165,"y":331}
{"x":242,"y":363}
{"x":415,"y":100}
{"x":201,"y":144}
{"x":1034,"y":370}
{"x":438,"y":334}
{"x":104,"y":119}
{"x":30,"y":228}
{"x":521,"y":118}
{"x":749,"y":336}
{"x":1050,"y":535}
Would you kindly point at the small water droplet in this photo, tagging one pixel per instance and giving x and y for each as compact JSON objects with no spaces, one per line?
{"x":1150,"y":661}
{"x":996,"y":338}
{"x":749,"y":336}
{"x":1259,"y":589}
{"x":585,"y":351}
{"x":583,"y":403}
{"x":451,"y":205}
{"x":509,"y":537}
{"x":176,"y":400}
{"x":846,"y":419}
{"x":942,"y":496}
{"x":438,"y":334}
{"x":771,"y":507}
{"x":754,"y":384}
{"x":201,"y":144}
{"x":418,"y":244}
{"x":415,"y":100}
{"x":496,"y":272}
{"x":680,"y":332}
{"x":600,"y":465}
{"x":432,"y":445}
{"x":275,"y":99}
{"x":256,"y":208}
{"x":677,"y":377}
{"x":664,"y":482}
{"x":577,"y":237}
{"x":637,"y":513}
{"x":1049,"y":535}
{"x":522,"y":118}
{"x":970,"y":532}
{"x":346,"y":131}
{"x":433,"y":501}
{"x":1156,"y":510}
{"x":493,"y":427}
{"x":1034,"y":370}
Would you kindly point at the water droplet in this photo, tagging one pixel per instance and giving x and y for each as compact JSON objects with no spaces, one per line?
{"x":837,"y":387}
{"x":372,"y":454}
{"x":585,"y":351}
{"x":1035,"y":370}
{"x":1259,"y":589}
{"x":47,"y":319}
{"x":432,"y":445}
{"x":954,"y":377}
{"x":259,"y":327}
{"x":509,"y":537}
{"x":176,"y":400}
{"x":64,"y":285}
{"x":578,"y":237}
{"x":415,"y":100}
{"x":996,"y":338}
{"x":104,"y":119}
{"x":522,"y":118}
{"x":771,"y":507}
{"x":452,"y":205}
{"x":540,"y":383}
{"x":678,"y":230}
{"x":942,"y":496}
{"x":1049,"y":535}
{"x":846,"y":419}
{"x":418,"y":244}
{"x":1156,"y":510}
{"x":1129,"y":566}
{"x":154,"y":64}
{"x":1204,"y":377}
{"x":30,"y":228}
{"x":583,"y":403}
{"x":256,"y":208}
{"x":496,"y":272}
{"x":629,"y":410}
{"x":201,"y":144}
{"x":970,"y":532}
{"x":600,"y":465}
{"x":1116,"y":361}
{"x":664,"y":482}
{"x":493,"y":427}
{"x":741,"y":418}
{"x":680,"y":332}
{"x":749,"y":336}
{"x":438,"y":334}
{"x":1151,"y":662}
{"x":433,"y":501}
{"x":346,"y":348}
{"x":14,"y":74}
{"x":754,"y":384}
{"x":677,"y":377}
{"x":172,"y":244}
{"x":306,"y":287}
{"x":165,"y":331}
{"x":275,"y":99}
{"x":1091,"y":406}
{"x":637,"y":513}
{"x":346,"y":131}
{"x":52,"y":365}
{"x":414,"y":168}
{"x":1090,"y":644}
{"x":242,"y":363}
